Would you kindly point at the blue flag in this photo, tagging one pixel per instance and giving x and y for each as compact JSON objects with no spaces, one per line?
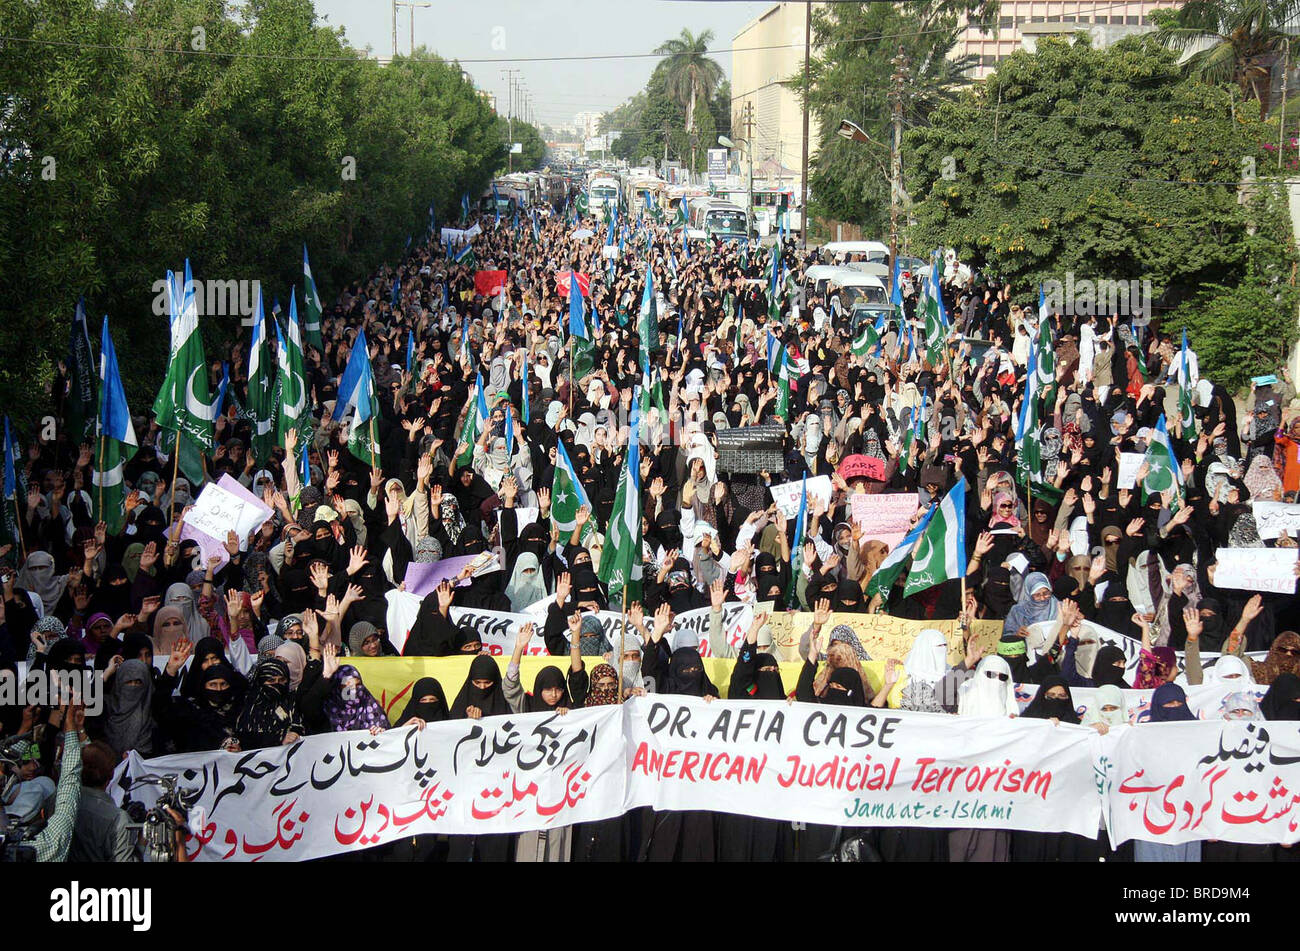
{"x":896,"y":294}
{"x":11,"y":481}
{"x":510,"y":436}
{"x":397,"y":291}
{"x":410,"y":350}
{"x":354,"y":384}
{"x":524,"y":383}
{"x":464,"y":207}
{"x":114,"y":416}
{"x":304,"y":464}
{"x":496,"y":206}
{"x":577,"y":326}
{"x":219,"y":402}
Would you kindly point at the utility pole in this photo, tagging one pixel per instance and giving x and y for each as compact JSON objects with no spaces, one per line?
{"x":807,"y":55}
{"x":749,"y":148}
{"x":895,"y":157}
{"x":411,"y":6}
{"x":510,"y":117}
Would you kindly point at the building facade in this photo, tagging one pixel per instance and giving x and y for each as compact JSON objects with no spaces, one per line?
{"x":1022,"y":22}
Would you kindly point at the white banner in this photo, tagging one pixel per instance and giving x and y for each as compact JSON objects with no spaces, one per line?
{"x":343,"y":791}
{"x":787,"y":496}
{"x":857,"y":766}
{"x":844,"y":766}
{"x":1237,"y":781}
{"x":1274,"y":518}
{"x":1256,"y":569}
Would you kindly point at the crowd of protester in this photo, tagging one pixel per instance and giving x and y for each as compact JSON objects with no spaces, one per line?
{"x":202,"y":656}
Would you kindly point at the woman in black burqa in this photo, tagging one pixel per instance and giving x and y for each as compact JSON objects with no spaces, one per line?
{"x":683,"y":836}
{"x":480,"y":696}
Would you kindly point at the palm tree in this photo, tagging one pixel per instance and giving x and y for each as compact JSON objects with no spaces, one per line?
{"x":1243,"y":41}
{"x":689,"y":71}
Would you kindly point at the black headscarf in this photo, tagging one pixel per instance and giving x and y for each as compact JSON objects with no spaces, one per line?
{"x":1282,"y":702}
{"x":854,"y":694}
{"x":686,"y":676}
{"x":848,"y":597}
{"x":492,"y":701}
{"x":1043,"y":707}
{"x":547,"y":677}
{"x":434,"y":712}
{"x":268,"y":708}
{"x":1104,"y":670}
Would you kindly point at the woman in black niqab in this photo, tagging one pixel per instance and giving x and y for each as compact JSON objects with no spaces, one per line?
{"x":683,"y":836}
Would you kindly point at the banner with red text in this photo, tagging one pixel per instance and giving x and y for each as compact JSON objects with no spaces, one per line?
{"x":856,"y":766}
{"x":1234,"y":780}
{"x":339,"y":792}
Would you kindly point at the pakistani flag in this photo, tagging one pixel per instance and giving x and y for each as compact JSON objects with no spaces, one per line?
{"x":1185,"y":394}
{"x":649,"y":329}
{"x":1045,"y":358}
{"x":291,"y":384}
{"x":1163,"y":470}
{"x":311,"y":299}
{"x":117,"y":442}
{"x":1029,"y":460}
{"x":475,"y":419}
{"x":357,"y":392}
{"x":184,"y":403}
{"x":892,"y":566}
{"x":784,"y":371}
{"x":261,"y":393}
{"x":915,"y":433}
{"x":620,"y":563}
{"x":940,"y":555}
{"x":81,"y":405}
{"x":936,"y":320}
{"x":568,"y":495}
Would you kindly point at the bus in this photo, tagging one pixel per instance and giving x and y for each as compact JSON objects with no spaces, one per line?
{"x":767,"y":205}
{"x":602,"y":196}
{"x":711,"y":218}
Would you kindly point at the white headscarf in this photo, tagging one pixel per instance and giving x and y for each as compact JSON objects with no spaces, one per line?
{"x":928,"y":658}
{"x":984,"y":695}
{"x":526,"y":585}
{"x":37,"y":576}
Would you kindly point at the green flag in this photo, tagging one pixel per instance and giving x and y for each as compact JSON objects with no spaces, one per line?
{"x":261,"y":389}
{"x":784,"y":369}
{"x":620,"y":563}
{"x":184,"y":403}
{"x":866,"y":341}
{"x":291,"y":381}
{"x":310,"y":327}
{"x":567,"y":496}
{"x":82,"y":402}
{"x":940,"y":554}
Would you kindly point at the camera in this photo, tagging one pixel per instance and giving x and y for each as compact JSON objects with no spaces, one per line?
{"x":157,"y":825}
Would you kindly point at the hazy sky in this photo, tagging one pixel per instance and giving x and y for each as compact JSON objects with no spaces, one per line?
{"x":502,"y":29}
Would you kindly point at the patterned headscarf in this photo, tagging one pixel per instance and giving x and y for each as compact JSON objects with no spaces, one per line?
{"x":602,"y":696}
{"x":352,"y":708}
{"x":453,"y":523}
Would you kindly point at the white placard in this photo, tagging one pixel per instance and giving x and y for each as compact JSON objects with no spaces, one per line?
{"x":1256,"y":569}
{"x":1273,"y":518}
{"x":1129,"y":464}
{"x":787,"y":496}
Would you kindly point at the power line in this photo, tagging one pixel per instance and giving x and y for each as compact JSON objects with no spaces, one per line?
{"x":362,"y":57}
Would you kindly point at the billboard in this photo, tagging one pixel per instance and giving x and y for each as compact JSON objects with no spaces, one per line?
{"x":717,"y":166}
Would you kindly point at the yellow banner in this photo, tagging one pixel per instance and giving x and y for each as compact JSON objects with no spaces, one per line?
{"x":881,"y":635}
{"x":390,"y":679}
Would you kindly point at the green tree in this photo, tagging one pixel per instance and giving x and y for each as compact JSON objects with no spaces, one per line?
{"x":117,"y":163}
{"x":1242,"y":41}
{"x":690,"y":74}
{"x":850,"y":78}
{"x":1107,"y":164}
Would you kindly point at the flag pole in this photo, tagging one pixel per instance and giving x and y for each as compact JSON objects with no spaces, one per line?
{"x":622,"y":646}
{"x":374,"y":446}
{"x":176,"y":458}
{"x":100,"y":510}
{"x":18,"y":521}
